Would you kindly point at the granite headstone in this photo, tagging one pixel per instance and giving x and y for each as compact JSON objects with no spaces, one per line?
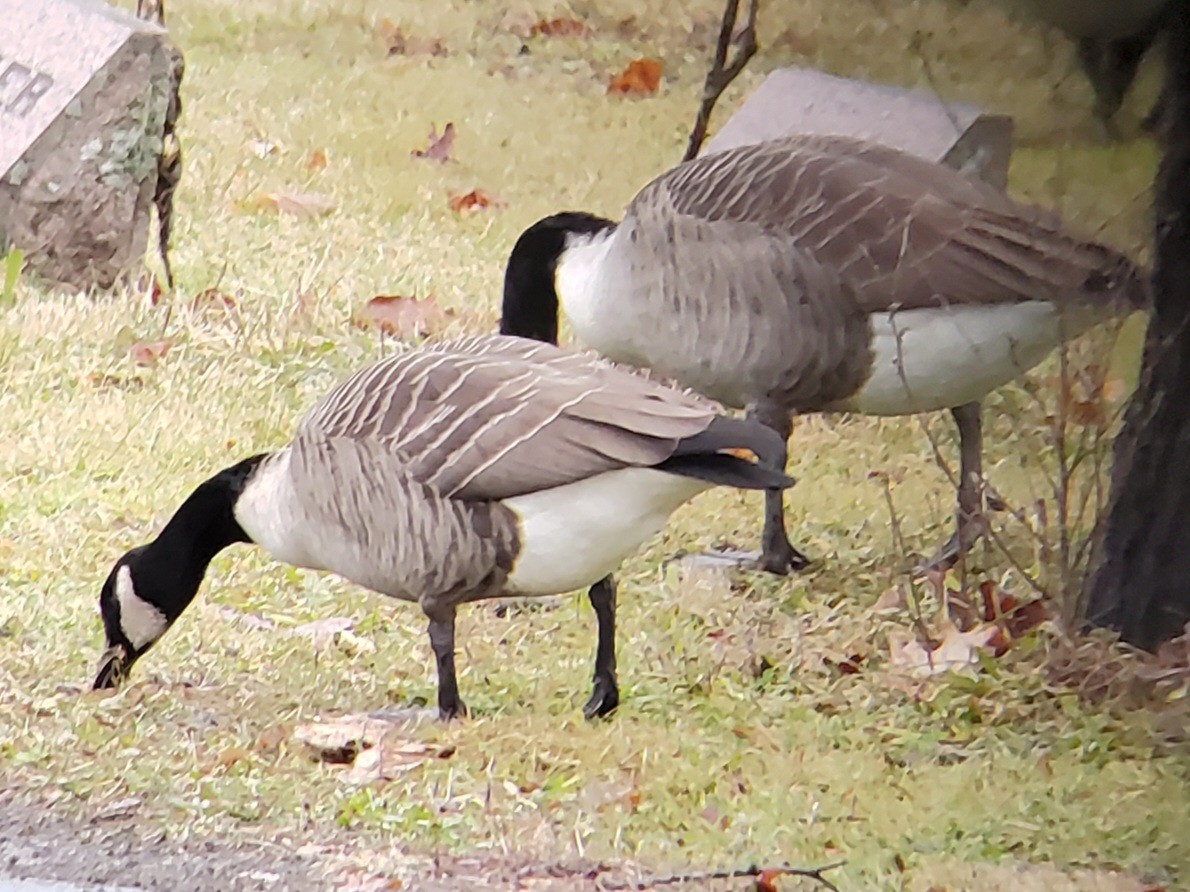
{"x":83,"y":94}
{"x":797,"y":100}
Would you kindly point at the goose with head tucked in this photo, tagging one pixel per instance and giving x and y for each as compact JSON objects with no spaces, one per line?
{"x":477,"y":468}
{"x":818,"y":273}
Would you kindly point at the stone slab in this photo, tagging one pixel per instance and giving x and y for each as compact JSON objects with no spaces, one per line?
{"x":83,"y":94}
{"x":799,"y":100}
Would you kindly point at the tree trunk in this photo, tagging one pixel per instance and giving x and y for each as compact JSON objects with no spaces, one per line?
{"x":1141,"y":584}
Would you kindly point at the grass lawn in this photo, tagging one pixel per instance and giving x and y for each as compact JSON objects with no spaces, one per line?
{"x":740,"y":739}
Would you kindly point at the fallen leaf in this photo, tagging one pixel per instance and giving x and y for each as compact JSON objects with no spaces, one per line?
{"x":405,"y":317}
{"x":269,"y":740}
{"x":642,"y":77}
{"x":397,"y":43}
{"x":149,"y":353}
{"x":370,"y":742}
{"x":559,"y":28}
{"x":231,"y":755}
{"x":476,"y":199}
{"x":439,"y":145}
{"x":316,"y":161}
{"x":391,"y":756}
{"x":956,"y":650}
{"x":341,"y":740}
{"x":300,"y":204}
{"x":849,"y":665}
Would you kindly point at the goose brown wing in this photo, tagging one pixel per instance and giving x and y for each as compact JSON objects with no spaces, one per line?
{"x":904,"y":232}
{"x":492,"y":417}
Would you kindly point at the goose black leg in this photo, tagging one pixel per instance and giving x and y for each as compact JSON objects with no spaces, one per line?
{"x":605,"y":695}
{"x":969,"y":518}
{"x":442,"y":641}
{"x":777,"y":554}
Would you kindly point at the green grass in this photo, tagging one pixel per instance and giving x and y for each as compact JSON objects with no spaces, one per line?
{"x":713,"y":759}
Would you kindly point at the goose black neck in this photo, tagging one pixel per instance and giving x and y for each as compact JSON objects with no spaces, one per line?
{"x":170,"y":569}
{"x":530,"y":307}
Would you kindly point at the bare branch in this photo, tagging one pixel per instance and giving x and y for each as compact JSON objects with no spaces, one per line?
{"x":721,"y":73}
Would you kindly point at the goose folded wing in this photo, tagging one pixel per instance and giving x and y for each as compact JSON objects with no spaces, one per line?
{"x":904,"y":231}
{"x":493,"y":417}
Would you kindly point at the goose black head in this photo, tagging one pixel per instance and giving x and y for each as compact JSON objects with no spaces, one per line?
{"x":530,"y":308}
{"x":132,"y":620}
{"x":150,"y":586}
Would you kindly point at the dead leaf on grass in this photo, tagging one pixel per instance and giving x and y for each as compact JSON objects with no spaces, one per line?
{"x":371,"y":743}
{"x":642,"y":77}
{"x":439,"y":145}
{"x":956,"y":650}
{"x":316,"y":161}
{"x":405,"y":317}
{"x":231,"y":755}
{"x":149,"y":353}
{"x":475,"y":200}
{"x":299,"y":204}
{"x":559,"y":28}
{"x":392,"y":756}
{"x":269,"y":740}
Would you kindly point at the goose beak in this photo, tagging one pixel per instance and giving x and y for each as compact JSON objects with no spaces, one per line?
{"x":113,"y":667}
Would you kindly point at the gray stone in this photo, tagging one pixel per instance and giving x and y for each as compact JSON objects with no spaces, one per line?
{"x":83,"y":94}
{"x":798,"y":100}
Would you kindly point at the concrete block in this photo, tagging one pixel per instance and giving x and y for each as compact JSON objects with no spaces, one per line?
{"x":798,"y":100}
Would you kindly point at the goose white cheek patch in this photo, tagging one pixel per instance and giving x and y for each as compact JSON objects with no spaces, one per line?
{"x":140,"y":621}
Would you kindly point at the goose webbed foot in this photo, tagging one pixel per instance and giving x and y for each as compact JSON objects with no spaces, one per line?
{"x":605,"y":697}
{"x":781,"y":558}
{"x":605,"y":694}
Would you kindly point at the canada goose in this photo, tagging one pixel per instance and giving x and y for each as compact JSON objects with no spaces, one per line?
{"x":473,"y":469}
{"x":821,"y":273}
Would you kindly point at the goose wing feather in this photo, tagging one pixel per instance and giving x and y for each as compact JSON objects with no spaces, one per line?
{"x":491,"y":417}
{"x":905,"y":232}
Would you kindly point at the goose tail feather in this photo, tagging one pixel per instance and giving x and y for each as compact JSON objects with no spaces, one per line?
{"x":713,"y":455}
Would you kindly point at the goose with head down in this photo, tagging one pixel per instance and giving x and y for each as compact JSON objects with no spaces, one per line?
{"x":822,"y":273}
{"x":478,"y":468}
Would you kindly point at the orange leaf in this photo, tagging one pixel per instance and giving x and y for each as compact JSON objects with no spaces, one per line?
{"x":149,"y":353}
{"x":439,"y":146}
{"x":405,"y":317}
{"x":767,"y":881}
{"x":476,"y":199}
{"x":231,"y":755}
{"x":641,"y":78}
{"x":316,"y":161}
{"x":559,"y":28}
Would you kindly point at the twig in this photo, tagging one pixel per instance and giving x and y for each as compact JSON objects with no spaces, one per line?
{"x":721,"y":73}
{"x":647,"y":882}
